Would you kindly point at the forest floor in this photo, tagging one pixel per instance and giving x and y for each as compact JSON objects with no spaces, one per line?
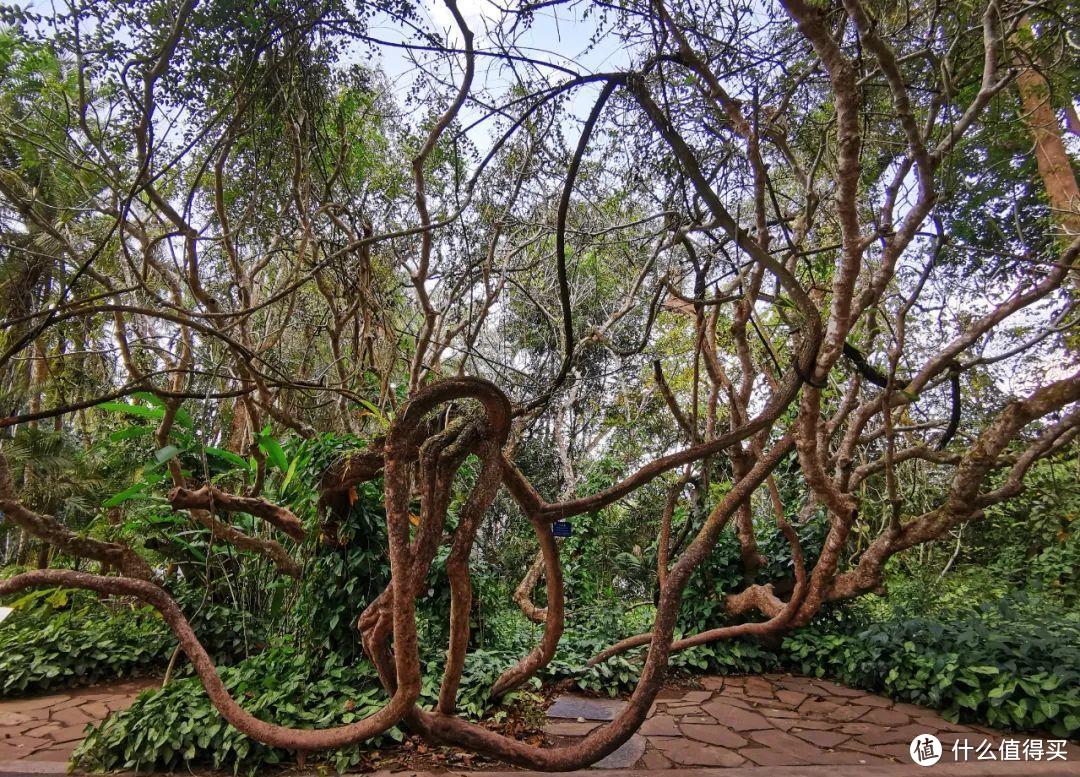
{"x":767,"y":726}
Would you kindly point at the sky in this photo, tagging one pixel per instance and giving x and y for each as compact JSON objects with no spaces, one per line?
{"x":560,"y":35}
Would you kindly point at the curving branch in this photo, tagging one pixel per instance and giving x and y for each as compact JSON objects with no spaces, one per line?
{"x":245,"y":722}
{"x":271,"y":549}
{"x":554,"y":615}
{"x":522,"y":595}
{"x":47,"y":528}
{"x":212,"y":498}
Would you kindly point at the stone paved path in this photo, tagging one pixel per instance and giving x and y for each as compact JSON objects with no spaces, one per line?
{"x":45,"y":730}
{"x":776,"y":720}
{"x":755,"y":726}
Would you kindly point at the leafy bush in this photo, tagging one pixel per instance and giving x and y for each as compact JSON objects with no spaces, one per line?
{"x":1032,"y":542}
{"x":592,"y":630}
{"x":620,"y":673}
{"x":60,"y":638}
{"x":1013,"y":664}
{"x":228,"y":633}
{"x":344,"y":577}
{"x":52,"y":645}
{"x":1006,"y":665}
{"x":722,"y":571}
{"x":168,"y":728}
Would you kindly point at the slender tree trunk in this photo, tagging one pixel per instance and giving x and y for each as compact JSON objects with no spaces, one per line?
{"x":1055,"y":167}
{"x":238,"y":428}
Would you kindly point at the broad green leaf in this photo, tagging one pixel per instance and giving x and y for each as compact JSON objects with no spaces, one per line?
{"x":272,"y":449}
{"x":226,"y":455}
{"x":384,"y":422}
{"x":161,"y":455}
{"x":128,"y":493}
{"x":149,"y":398}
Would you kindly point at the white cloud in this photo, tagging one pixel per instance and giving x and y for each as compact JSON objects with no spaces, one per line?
{"x":478,"y":15}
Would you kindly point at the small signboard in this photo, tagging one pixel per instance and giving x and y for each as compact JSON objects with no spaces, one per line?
{"x":4,"y":612}
{"x":561,"y":529}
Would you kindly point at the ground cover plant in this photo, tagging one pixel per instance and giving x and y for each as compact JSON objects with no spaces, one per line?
{"x":48,"y":647}
{"x":1006,"y":665}
{"x":456,"y":362}
{"x":59,"y":638}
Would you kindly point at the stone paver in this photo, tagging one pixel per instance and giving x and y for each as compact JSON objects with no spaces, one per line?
{"x":714,"y":735}
{"x":738,"y":718}
{"x":759,"y":724}
{"x":661,"y":726}
{"x":752,"y":725}
{"x":626,"y":756}
{"x":687,"y":752}
{"x":38,"y":735}
{"x":570,"y":728}
{"x":572,"y":706}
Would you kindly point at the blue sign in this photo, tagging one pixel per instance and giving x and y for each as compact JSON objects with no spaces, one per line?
{"x":561,"y":529}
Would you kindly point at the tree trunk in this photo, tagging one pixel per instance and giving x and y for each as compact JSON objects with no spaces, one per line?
{"x":1055,"y":167}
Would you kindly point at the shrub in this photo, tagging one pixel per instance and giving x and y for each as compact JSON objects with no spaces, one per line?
{"x":169,"y":728}
{"x":52,"y":645}
{"x":1005,"y":665}
{"x":344,"y":577}
{"x":722,"y":571}
{"x":59,"y":638}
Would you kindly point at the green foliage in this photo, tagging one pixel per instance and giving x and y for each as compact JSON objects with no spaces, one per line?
{"x":171,"y":728}
{"x":482,"y":668}
{"x":620,"y":674}
{"x":69,"y":639}
{"x":283,"y":129}
{"x":57,"y":475}
{"x":722,"y":571}
{"x":134,"y":443}
{"x":167,"y":729}
{"x":59,"y":638}
{"x":290,"y":653}
{"x":345,"y":577}
{"x":228,"y":633}
{"x":1008,"y":664}
{"x":1034,"y":541}
{"x":598,"y":629}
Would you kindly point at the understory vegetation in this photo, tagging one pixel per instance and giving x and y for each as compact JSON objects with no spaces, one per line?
{"x":1010,"y":664}
{"x":60,"y":638}
{"x":966,"y":640}
{"x":58,"y":644}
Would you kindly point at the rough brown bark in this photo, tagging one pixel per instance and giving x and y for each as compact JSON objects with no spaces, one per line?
{"x":523,"y":593}
{"x":47,"y":528}
{"x":213,"y":498}
{"x":1055,"y":167}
